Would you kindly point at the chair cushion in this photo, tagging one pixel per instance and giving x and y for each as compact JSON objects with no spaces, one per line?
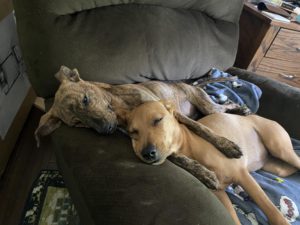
{"x":124,"y":43}
{"x":110,"y":185}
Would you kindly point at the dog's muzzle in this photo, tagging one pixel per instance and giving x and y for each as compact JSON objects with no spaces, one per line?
{"x":103,"y":127}
{"x":108,"y":129}
{"x":150,"y":154}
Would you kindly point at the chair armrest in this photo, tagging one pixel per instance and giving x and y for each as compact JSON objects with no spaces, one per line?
{"x":110,"y":185}
{"x":279,"y":101}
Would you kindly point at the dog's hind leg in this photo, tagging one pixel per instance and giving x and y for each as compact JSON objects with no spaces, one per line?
{"x":277,"y":141}
{"x":284,"y":151}
{"x":223,"y":197}
{"x":260,"y":198}
{"x":278,"y":167}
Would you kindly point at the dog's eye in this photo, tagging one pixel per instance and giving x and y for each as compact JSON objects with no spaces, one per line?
{"x":85,"y":100}
{"x":109,"y":107}
{"x":156,"y":121}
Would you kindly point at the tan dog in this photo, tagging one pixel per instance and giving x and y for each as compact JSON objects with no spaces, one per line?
{"x":156,"y":134}
{"x":92,"y":104}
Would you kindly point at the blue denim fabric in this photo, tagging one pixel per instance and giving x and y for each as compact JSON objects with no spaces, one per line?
{"x":241,"y":92}
{"x":284,"y":192}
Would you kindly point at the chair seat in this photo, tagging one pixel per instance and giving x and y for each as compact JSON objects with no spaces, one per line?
{"x":110,"y":185}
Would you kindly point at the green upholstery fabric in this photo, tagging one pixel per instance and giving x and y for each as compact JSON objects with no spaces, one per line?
{"x":112,"y":186}
{"x":117,"y":41}
{"x":228,"y":11}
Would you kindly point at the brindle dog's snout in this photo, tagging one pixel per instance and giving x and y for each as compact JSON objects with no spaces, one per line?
{"x":111,"y":128}
{"x":103,"y":126}
{"x":150,"y":154}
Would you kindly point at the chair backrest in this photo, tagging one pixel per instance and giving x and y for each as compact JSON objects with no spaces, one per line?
{"x":117,"y":41}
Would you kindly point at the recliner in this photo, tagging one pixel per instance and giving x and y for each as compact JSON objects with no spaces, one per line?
{"x":120,"y":41}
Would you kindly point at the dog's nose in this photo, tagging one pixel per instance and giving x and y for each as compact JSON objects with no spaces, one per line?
{"x":110,"y":128}
{"x":150,"y":153}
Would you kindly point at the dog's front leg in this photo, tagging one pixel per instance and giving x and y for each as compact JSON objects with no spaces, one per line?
{"x":207,"y":177}
{"x":227,"y":147}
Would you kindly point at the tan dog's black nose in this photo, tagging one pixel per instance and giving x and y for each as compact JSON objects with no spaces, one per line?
{"x":150,"y":154}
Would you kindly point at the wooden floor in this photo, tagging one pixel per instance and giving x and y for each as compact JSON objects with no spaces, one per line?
{"x":25,"y":164}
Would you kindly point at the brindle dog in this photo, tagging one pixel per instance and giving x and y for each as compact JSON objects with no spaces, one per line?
{"x":97,"y":105}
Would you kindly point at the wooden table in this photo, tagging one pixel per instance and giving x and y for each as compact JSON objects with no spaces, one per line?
{"x":268,"y":47}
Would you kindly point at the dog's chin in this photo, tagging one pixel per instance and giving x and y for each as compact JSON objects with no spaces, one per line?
{"x":101,"y":126}
{"x":106,"y":130}
{"x":159,"y":162}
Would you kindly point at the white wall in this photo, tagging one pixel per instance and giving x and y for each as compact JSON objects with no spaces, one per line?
{"x":14,"y":84}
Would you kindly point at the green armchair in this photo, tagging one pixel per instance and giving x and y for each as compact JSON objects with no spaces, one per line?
{"x":120,"y":41}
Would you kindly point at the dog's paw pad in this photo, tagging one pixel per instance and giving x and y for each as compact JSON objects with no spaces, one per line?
{"x":211,"y":182}
{"x":240,"y":110}
{"x":229,"y":148}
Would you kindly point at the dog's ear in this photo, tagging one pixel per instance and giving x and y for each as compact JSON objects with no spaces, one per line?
{"x":48,"y":123}
{"x":67,"y":74}
{"x":168,"y":105}
{"x":102,"y":85}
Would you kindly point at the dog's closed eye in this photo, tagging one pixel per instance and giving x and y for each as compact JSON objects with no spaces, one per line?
{"x":156,"y":121}
{"x":85,"y":100}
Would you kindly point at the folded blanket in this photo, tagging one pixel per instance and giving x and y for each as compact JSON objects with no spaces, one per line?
{"x":239,"y":91}
{"x":284,"y":193}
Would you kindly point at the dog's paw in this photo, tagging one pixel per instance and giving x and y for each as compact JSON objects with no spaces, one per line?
{"x":240,"y":110}
{"x":228,"y":148}
{"x":206,"y":176}
{"x":244,"y":110}
{"x":210,"y":180}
